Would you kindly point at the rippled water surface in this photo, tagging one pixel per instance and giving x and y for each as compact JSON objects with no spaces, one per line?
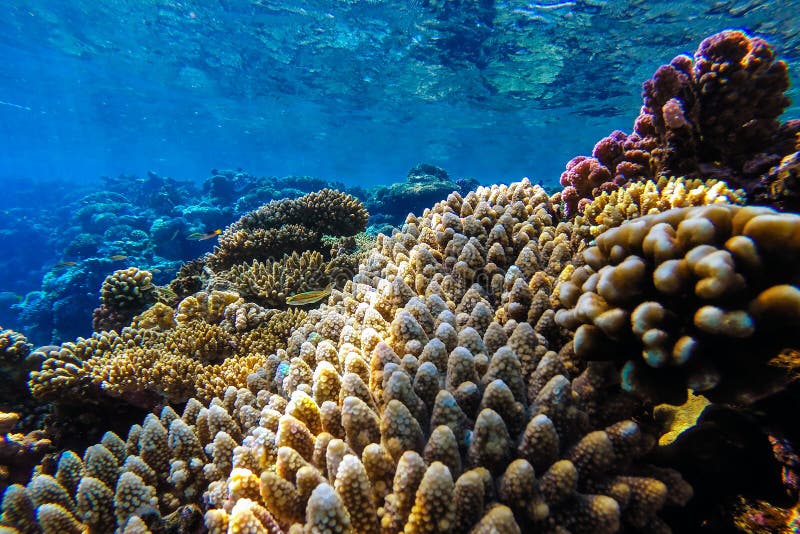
{"x":358,"y":91}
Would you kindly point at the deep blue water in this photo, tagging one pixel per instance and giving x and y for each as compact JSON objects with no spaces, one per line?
{"x":351,"y":91}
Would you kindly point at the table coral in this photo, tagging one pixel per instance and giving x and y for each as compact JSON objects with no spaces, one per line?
{"x":287,"y":225}
{"x":713,"y":115}
{"x":448,"y":435}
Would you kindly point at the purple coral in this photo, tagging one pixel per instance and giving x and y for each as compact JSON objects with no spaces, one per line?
{"x":711,"y":116}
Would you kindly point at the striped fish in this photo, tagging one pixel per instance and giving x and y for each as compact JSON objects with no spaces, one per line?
{"x":309,"y":297}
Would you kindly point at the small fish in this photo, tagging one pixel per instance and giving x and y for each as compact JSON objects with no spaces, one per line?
{"x":197,"y":236}
{"x":309,"y":297}
{"x":65,"y":264}
{"x":118,"y":257}
{"x":174,"y":235}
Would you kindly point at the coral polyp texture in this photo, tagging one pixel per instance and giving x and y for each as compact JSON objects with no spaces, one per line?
{"x":714,"y":115}
{"x":609,"y":210}
{"x":124,"y":293}
{"x":703,"y":298}
{"x":493,"y":366}
{"x":431,"y":394}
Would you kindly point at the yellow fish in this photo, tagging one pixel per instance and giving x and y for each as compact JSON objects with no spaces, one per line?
{"x":65,"y":264}
{"x":309,"y":297}
{"x":118,"y":257}
{"x":198,"y":236}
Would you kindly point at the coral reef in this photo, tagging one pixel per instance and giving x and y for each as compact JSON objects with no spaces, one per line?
{"x":270,"y":283}
{"x":14,"y":351}
{"x":142,"y":222}
{"x":424,"y":185}
{"x":288,"y":225}
{"x":780,"y":187}
{"x":434,"y":393}
{"x":212,"y":340}
{"x":491,"y":366}
{"x":16,"y":362}
{"x":211,"y":328}
{"x":124,"y":293}
{"x":609,"y":210}
{"x":711,"y":116}
{"x":19,"y":451}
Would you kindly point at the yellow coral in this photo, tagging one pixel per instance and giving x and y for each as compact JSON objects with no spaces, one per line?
{"x":419,"y":357}
{"x":609,"y":210}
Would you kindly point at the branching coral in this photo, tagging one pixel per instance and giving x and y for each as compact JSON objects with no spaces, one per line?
{"x":22,"y":442}
{"x":14,"y":351}
{"x":211,"y":338}
{"x":269,"y":283}
{"x":609,"y":210}
{"x":215,"y":340}
{"x":701,"y":298}
{"x":427,"y":396}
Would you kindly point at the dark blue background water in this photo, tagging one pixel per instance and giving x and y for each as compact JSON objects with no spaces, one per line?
{"x":355,"y":91}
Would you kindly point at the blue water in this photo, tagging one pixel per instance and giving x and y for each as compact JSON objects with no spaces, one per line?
{"x":350,"y":91}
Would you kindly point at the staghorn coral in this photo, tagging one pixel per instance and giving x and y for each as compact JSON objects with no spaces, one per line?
{"x":422,"y":435}
{"x":288,"y":225}
{"x":711,"y":116}
{"x":701,"y":298}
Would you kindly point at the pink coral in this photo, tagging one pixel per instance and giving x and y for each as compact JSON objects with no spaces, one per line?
{"x":714,"y":115}
{"x":584,"y":175}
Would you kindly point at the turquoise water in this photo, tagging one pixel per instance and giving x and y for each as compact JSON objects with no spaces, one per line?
{"x":357,"y":91}
{"x":203,"y":200}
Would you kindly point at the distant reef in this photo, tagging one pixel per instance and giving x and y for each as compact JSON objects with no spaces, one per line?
{"x":147,"y":223}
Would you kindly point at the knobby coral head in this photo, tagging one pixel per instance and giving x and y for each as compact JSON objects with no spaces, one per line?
{"x":713,"y":115}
